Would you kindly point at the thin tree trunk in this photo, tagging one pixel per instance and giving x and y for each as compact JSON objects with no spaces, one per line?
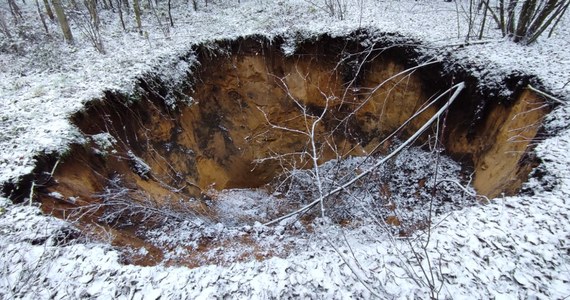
{"x":502,"y":16}
{"x":62,"y":19}
{"x":170,"y":14}
{"x":483,"y":24}
{"x":137,"y":9}
{"x":165,"y":30}
{"x":92,"y":8}
{"x":542,"y":17}
{"x":42,"y":16}
{"x":15,"y":11}
{"x":511,"y":17}
{"x":499,"y":19}
{"x":560,"y":15}
{"x":526,"y":13}
{"x":48,"y":10}
{"x":119,"y":6}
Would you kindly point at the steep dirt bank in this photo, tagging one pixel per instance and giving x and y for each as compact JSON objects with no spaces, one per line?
{"x":253,"y":107}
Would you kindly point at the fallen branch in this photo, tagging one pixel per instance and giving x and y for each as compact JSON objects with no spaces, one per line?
{"x":458,"y":88}
{"x":530,"y":87}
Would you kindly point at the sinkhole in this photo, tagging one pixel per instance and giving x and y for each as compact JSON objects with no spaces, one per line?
{"x":249,"y":117}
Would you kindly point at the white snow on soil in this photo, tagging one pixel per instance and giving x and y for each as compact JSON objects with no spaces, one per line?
{"x":514,"y":247}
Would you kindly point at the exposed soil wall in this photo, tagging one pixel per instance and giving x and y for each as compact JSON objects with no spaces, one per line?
{"x":500,"y":147}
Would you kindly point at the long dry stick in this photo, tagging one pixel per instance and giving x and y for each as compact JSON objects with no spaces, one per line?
{"x":458,"y":88}
{"x":544,"y":94}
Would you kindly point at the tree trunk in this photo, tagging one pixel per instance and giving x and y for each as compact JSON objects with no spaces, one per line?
{"x":165,"y":29}
{"x":92,"y":8}
{"x":511,"y":17}
{"x":525,"y":16}
{"x":119,"y":6}
{"x":62,"y":19}
{"x":502,"y":16}
{"x":48,"y":10}
{"x":542,"y":17}
{"x":560,"y":15}
{"x":483,"y":24}
{"x":15,"y":11}
{"x":137,"y":9}
{"x":170,"y":14}
{"x":42,"y":16}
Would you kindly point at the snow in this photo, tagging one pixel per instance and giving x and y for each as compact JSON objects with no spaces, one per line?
{"x":514,"y":247}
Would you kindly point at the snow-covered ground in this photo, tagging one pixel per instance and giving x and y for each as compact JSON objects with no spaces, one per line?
{"x":515,"y":247}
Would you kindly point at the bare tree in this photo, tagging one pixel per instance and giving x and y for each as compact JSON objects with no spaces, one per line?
{"x":92,"y":8}
{"x":137,"y":9}
{"x":89,"y":25}
{"x":120,"y":8}
{"x":165,"y":29}
{"x":525,"y":20}
{"x":62,"y":19}
{"x":15,"y":11}
{"x":48,"y":10}
{"x":310,"y":132}
{"x":170,"y":14}
{"x":41,"y":16}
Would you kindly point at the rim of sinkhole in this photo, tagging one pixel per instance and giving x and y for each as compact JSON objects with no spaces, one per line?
{"x":353,"y":130}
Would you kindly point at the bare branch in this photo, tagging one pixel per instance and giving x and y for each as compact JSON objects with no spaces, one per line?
{"x":458,"y":88}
